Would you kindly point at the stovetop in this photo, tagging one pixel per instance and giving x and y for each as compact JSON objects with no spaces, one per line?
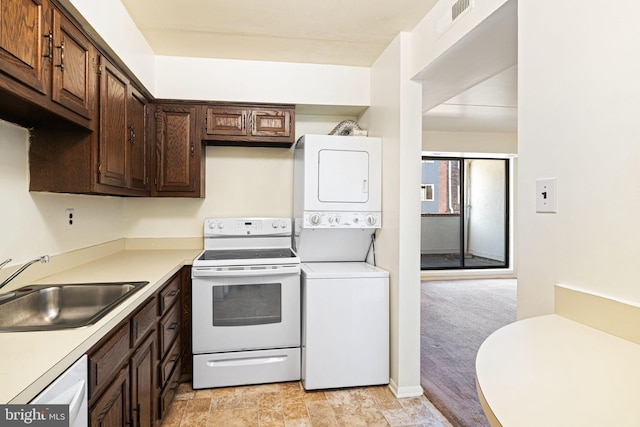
{"x":246,"y":254}
{"x":246,"y":241}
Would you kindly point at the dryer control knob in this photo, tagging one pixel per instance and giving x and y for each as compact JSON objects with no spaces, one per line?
{"x":314,"y":219}
{"x":356,"y":219}
{"x":370,"y":219}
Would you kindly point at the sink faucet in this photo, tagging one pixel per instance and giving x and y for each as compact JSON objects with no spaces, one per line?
{"x":43,"y":259}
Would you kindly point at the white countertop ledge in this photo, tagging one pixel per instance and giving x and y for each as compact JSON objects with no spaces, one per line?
{"x":30,"y":361}
{"x":551,"y":371}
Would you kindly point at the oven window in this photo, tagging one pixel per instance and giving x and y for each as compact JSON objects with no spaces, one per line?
{"x":246,"y":305}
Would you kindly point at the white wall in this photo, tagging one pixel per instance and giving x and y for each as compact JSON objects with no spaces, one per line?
{"x":33,"y":224}
{"x":429,"y":44}
{"x":111,"y":20}
{"x":261,"y":81}
{"x":579,"y":94}
{"x":467,"y":142}
{"x":240,"y":181}
{"x":395,"y":116}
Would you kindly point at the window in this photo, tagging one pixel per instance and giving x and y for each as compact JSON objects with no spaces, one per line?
{"x":464,"y":206}
{"x":426,"y":192}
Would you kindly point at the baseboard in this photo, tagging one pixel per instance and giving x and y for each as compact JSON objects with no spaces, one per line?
{"x":401,"y":392}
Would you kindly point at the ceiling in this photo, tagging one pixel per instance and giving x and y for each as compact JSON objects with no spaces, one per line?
{"x":490,"y":106}
{"x":337,"y":32}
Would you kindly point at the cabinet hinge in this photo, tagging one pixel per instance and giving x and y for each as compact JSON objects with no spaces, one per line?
{"x":99,"y":168}
{"x":99,"y":69}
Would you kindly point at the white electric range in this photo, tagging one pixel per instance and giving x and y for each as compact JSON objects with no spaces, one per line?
{"x":246,"y":304}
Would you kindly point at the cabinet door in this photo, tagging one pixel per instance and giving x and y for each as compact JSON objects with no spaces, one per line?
{"x":72,"y":53}
{"x":112,"y":151}
{"x":138,"y":141}
{"x":226,"y":121}
{"x":271,"y":123}
{"x":112,"y":408}
{"x":179,"y":152}
{"x":143,"y":366}
{"x":23,"y":44}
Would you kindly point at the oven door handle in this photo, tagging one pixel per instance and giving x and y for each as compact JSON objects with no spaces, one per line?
{"x":253,"y":272}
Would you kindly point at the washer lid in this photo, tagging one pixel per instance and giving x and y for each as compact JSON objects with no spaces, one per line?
{"x":341,"y":270}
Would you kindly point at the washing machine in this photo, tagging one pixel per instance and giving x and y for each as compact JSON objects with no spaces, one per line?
{"x":345,"y":326}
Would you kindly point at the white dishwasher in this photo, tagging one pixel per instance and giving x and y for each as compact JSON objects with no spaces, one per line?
{"x":70,"y":388}
{"x":345,"y":325}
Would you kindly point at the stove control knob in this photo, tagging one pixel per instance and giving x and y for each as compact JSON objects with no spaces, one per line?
{"x":337,"y":220}
{"x":220,"y":226}
{"x":356,"y":220}
{"x":330,"y":220}
{"x":275,"y":224}
{"x":212,"y":225}
{"x":370,"y":219}
{"x":314,"y":219}
{"x":284,"y":224}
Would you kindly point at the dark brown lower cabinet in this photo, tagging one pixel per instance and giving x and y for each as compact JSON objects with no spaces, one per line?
{"x":143,"y":365}
{"x":112,"y":408}
{"x":135,"y":370}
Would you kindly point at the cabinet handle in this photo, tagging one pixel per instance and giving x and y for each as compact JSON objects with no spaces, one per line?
{"x":174,"y":292}
{"x":132,"y":135}
{"x":137,"y":411}
{"x":193,"y":152}
{"x":175,"y":387}
{"x":61,"y":47}
{"x":175,"y":358}
{"x":49,"y":38}
{"x":244,"y":118}
{"x":174,"y":325}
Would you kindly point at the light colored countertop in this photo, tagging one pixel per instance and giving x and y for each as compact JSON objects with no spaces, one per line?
{"x":29,"y":361}
{"x":552,"y":371}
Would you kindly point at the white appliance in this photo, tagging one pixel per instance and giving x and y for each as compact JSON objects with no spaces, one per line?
{"x":70,"y":388}
{"x":345,"y":339}
{"x":246,"y":304}
{"x":337,"y":196}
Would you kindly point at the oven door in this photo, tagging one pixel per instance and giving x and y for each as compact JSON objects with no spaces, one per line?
{"x":248,"y":308}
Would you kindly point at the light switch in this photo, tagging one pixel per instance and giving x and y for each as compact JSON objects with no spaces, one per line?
{"x":546,"y":195}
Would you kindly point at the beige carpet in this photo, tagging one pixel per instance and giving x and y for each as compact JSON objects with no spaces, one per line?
{"x":456,"y":317}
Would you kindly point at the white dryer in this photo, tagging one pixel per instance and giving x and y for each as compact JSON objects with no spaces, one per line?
{"x":337,"y":196}
{"x":345,"y":325}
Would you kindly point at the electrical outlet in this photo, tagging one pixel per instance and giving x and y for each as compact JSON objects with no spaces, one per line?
{"x":69,"y":217}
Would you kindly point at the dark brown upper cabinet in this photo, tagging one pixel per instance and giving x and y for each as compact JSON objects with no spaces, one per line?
{"x":24,"y":41}
{"x":138,"y":141}
{"x":72,"y":56}
{"x":250,"y":125}
{"x":45,"y":65}
{"x":123,"y":153}
{"x":112,"y":151}
{"x":180,"y":156}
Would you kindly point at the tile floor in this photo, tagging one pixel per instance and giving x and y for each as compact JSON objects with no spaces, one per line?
{"x":288,"y":405}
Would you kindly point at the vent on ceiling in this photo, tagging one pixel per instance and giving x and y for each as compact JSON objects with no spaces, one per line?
{"x":458,"y":9}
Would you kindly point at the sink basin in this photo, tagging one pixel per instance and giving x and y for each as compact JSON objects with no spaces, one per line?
{"x":53,"y":307}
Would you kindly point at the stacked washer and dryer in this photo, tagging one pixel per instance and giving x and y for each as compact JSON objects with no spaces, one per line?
{"x":345,"y":300}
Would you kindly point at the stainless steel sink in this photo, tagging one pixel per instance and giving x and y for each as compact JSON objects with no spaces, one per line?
{"x":52,"y":307}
